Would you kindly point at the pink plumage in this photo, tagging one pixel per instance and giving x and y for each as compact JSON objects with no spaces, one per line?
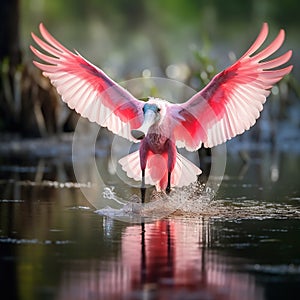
{"x":226,"y":107}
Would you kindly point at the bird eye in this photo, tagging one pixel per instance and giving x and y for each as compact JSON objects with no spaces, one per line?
{"x":158,"y":109}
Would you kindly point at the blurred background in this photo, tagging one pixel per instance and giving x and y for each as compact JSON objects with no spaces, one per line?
{"x":188,"y":41}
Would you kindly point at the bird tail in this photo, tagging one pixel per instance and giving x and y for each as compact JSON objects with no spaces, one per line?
{"x":156,"y":172}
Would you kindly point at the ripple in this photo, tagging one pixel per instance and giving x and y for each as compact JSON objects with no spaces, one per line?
{"x":290,"y":269}
{"x":8,"y":240}
{"x":49,"y":183}
{"x":11,"y":201}
{"x":19,"y":169}
{"x":80,"y":207}
{"x":246,"y":209}
{"x":294,"y":198}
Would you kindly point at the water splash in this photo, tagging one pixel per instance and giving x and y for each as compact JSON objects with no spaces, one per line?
{"x":160,"y":204}
{"x":196,"y":201}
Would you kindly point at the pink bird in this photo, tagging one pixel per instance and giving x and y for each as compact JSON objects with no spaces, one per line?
{"x":227,"y":106}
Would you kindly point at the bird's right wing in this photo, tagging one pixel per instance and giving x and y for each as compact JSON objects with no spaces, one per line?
{"x":87,"y":89}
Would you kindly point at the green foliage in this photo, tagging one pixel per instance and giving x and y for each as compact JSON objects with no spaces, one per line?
{"x":132,"y":13}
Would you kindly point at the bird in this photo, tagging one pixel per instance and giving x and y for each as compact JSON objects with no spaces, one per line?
{"x":227,"y":106}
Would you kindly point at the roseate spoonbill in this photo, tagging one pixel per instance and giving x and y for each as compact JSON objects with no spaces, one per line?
{"x":226,"y":107}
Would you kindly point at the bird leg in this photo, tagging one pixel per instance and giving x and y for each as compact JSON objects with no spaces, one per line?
{"x":143,"y":187}
{"x":172,"y":152}
{"x":168,"y":189}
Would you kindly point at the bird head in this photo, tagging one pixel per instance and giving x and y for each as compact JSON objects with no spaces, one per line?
{"x":151,"y":113}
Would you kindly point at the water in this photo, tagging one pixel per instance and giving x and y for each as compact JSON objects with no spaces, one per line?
{"x":243,"y":245}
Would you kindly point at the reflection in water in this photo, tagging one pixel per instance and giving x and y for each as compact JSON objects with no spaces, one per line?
{"x":162,"y":260}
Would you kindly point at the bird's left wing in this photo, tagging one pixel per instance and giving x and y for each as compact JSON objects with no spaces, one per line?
{"x":232,"y":101}
{"x":86,"y":88}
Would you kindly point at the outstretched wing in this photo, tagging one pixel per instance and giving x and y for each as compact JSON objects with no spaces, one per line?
{"x":86,"y":88}
{"x":232,"y":101}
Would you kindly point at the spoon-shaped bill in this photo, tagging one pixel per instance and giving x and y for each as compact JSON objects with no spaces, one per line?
{"x":149,"y":120}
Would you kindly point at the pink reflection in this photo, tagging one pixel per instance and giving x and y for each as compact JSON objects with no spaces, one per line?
{"x":161,"y":260}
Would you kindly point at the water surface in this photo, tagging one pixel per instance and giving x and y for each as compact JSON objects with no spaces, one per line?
{"x":243,"y":245}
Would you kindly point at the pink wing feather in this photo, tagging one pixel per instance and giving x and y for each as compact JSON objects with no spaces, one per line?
{"x":86,"y":88}
{"x":232,"y":101}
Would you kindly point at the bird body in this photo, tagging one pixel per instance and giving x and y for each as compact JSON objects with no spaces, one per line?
{"x":226,"y":107}
{"x":158,"y":155}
